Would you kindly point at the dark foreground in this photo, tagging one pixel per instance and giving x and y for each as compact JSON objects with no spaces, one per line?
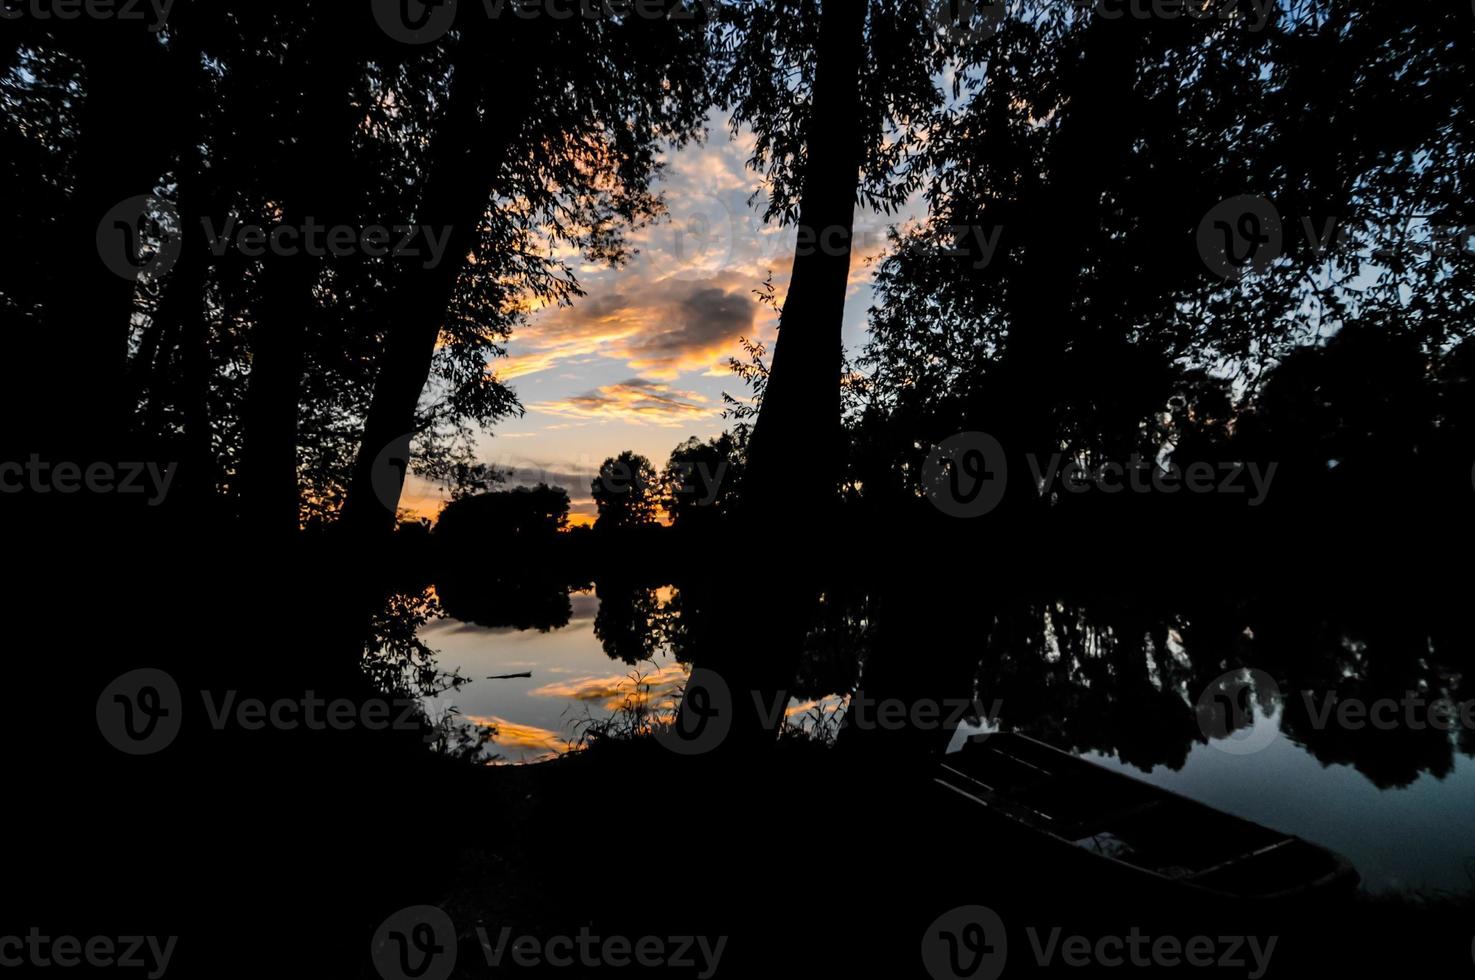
{"x":281,"y":851}
{"x":806,"y":863}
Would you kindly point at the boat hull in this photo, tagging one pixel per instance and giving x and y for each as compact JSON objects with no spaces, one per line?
{"x":1126,"y":836}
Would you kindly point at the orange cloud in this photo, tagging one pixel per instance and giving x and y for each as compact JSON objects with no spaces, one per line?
{"x":541,"y":742}
{"x":660,"y":329}
{"x":635,"y":401}
{"x":610,"y":692}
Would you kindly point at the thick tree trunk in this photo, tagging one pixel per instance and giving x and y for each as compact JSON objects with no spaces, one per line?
{"x":927,"y":654}
{"x":175,"y":370}
{"x":268,"y":476}
{"x":1095,"y":132}
{"x":91,"y":306}
{"x":172,"y":364}
{"x":794,"y":456}
{"x":270,"y":497}
{"x":468,"y":152}
{"x":791,"y":482}
{"x":456,"y":193}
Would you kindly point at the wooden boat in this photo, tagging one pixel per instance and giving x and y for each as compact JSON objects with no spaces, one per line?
{"x":1136,"y":834}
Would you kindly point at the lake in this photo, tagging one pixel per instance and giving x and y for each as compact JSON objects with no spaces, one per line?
{"x":1417,"y":833}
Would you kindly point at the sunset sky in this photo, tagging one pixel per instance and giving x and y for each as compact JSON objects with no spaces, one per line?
{"x":641,"y":361}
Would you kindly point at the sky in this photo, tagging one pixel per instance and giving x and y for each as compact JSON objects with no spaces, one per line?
{"x":641,"y":361}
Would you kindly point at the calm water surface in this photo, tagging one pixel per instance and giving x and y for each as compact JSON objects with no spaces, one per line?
{"x":1421,"y":836}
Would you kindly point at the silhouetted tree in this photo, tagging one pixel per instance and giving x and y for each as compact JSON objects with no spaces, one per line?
{"x":701,"y":480}
{"x":570,"y":158}
{"x":495,"y":558}
{"x":625,"y":492}
{"x":626,"y":621}
{"x":836,"y":92}
{"x":505,"y":518}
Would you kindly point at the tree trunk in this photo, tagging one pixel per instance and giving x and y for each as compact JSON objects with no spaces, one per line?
{"x":1095,"y":132}
{"x":179,"y":316}
{"x":468,"y":151}
{"x":923,"y":657}
{"x":794,"y":456}
{"x":269,"y":490}
{"x":457,"y":190}
{"x":790,"y":485}
{"x":172,"y":365}
{"x":91,"y":307}
{"x":268,"y":476}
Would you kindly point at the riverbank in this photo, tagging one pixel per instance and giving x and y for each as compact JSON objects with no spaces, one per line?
{"x":806,"y":861}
